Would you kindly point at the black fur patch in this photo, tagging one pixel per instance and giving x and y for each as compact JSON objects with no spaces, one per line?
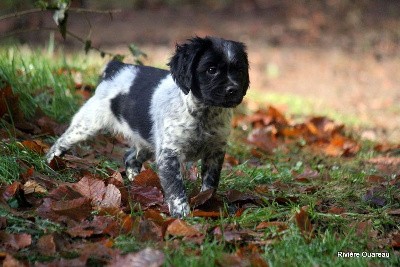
{"x":113,"y":67}
{"x":134,"y":107}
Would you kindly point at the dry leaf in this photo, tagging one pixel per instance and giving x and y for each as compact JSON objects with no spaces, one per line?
{"x":148,"y":257}
{"x":181,"y":228}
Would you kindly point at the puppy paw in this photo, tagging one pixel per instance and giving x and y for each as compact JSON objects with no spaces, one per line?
{"x":131,"y":173}
{"x":178,"y":207}
{"x":53,"y":152}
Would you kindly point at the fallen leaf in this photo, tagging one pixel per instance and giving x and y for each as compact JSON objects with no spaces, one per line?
{"x":10,"y":261}
{"x":303,"y":222}
{"x":154,"y":216}
{"x":12,"y":190}
{"x":147,"y":196}
{"x":147,"y":178}
{"x":207,"y":214}
{"x":32,"y":186}
{"x":232,"y":260}
{"x":50,"y":126}
{"x":227,"y":235}
{"x":46,"y":245}
{"x":336,"y":210}
{"x":77,"y":209}
{"x":35,"y":146}
{"x":112,"y":197}
{"x":232,"y":161}
{"x":181,"y":228}
{"x":395,"y":243}
{"x":234,"y":195}
{"x":147,"y":257}
{"x":57,"y":164}
{"x":91,"y":188}
{"x":281,"y":226}
{"x":201,"y":198}
{"x":375,"y":196}
{"x":264,"y":139}
{"x":15,"y":241}
{"x":375,"y":179}
{"x":395,"y":212}
{"x":150,"y":231}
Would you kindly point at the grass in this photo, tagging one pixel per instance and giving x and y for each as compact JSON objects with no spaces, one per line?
{"x":37,"y":79}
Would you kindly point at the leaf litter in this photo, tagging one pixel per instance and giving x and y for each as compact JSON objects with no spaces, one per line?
{"x":95,"y":210}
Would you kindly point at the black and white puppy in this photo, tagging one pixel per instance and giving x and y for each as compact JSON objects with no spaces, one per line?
{"x":182,"y":115}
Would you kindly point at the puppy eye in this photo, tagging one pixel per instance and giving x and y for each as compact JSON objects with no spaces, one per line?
{"x":212,"y":70}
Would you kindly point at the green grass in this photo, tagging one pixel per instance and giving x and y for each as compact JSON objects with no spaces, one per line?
{"x":35,"y":78}
{"x":45,"y":80}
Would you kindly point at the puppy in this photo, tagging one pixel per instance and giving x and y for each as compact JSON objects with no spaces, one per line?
{"x":176,"y":116}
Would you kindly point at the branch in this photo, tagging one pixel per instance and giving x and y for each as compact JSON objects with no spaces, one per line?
{"x":76,"y":10}
{"x":21,"y":13}
{"x":73,"y":35}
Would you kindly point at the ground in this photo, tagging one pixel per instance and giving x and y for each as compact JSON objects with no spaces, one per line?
{"x":297,"y":188}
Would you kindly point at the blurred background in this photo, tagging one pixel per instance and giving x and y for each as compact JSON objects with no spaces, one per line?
{"x":333,"y":57}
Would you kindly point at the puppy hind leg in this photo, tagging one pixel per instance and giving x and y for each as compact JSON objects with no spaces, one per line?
{"x":134,"y":159}
{"x":84,"y":125}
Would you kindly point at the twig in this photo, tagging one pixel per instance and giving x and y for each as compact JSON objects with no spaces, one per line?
{"x":76,"y":10}
{"x":73,"y":35}
{"x":21,"y":13}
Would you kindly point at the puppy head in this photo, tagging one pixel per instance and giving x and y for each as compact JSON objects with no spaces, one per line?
{"x":214,"y":69}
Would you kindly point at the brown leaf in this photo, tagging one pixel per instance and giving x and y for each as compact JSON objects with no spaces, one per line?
{"x":147,"y":196}
{"x":281,"y":226}
{"x":234,"y":195}
{"x":395,"y":243}
{"x":36,"y":146}
{"x":201,"y":198}
{"x":112,"y":197}
{"x":375,"y":179}
{"x":64,"y":192}
{"x":264,"y":139}
{"x":207,"y":214}
{"x":77,"y":209}
{"x":307,"y":176}
{"x":232,"y":161}
{"x":15,"y":241}
{"x":304,"y":222}
{"x":32,"y":186}
{"x":99,"y":225}
{"x":147,"y":257}
{"x":91,"y":188}
{"x":336,"y":210}
{"x":395,"y":212}
{"x":9,"y":103}
{"x":147,"y":178}
{"x":10,"y":261}
{"x":154,"y":216}
{"x":12,"y":190}
{"x":181,"y":228}
{"x":50,"y":126}
{"x":232,"y":260}
{"x":57,"y":164}
{"x":46,"y":245}
{"x":150,"y":231}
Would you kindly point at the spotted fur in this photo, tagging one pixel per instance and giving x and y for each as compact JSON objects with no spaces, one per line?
{"x":177,"y":116}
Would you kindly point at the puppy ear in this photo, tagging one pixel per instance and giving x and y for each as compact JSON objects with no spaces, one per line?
{"x":183,"y":63}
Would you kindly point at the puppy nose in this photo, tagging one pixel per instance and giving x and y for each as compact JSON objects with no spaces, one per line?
{"x":232,"y":90}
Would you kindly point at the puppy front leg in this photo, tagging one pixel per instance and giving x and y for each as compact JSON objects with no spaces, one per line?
{"x":211,"y":170}
{"x":134,"y":159}
{"x":172,"y":183}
